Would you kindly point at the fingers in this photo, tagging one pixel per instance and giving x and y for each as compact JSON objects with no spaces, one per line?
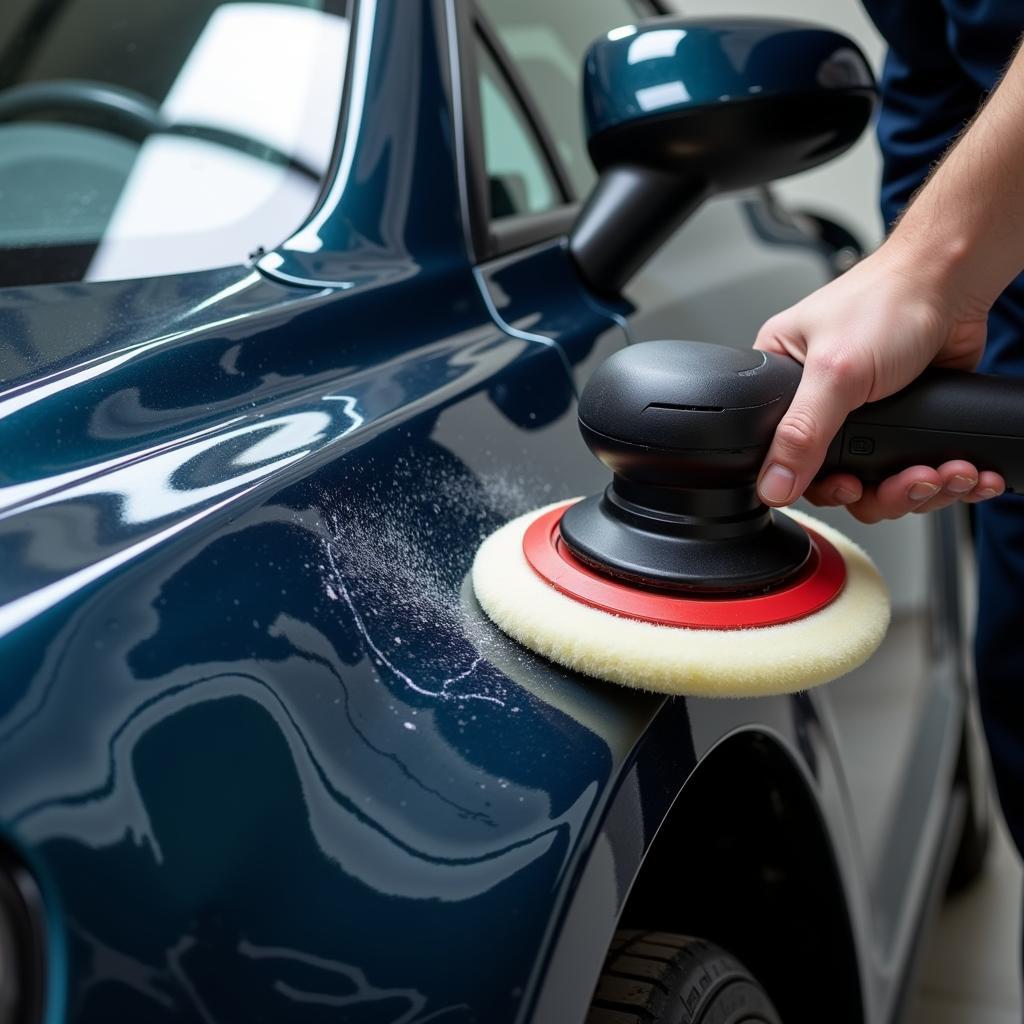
{"x":782,"y":334}
{"x":990,"y":485}
{"x":838,"y":489}
{"x":962,"y":482}
{"x":923,"y":489}
{"x":905,"y":492}
{"x":828,"y":390}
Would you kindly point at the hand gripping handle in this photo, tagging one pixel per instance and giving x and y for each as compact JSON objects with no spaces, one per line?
{"x":943,"y":415}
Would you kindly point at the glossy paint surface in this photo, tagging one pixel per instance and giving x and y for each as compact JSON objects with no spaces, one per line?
{"x":392,"y":208}
{"x":264,"y":754}
{"x":247,"y":728}
{"x":672,"y":65}
{"x":264,"y":762}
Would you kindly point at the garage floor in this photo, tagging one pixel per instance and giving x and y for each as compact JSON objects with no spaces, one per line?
{"x":970,"y":972}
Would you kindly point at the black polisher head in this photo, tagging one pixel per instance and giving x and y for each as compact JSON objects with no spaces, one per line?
{"x":684,"y":427}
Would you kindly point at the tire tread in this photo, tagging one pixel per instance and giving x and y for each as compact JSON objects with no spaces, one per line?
{"x":661,"y":978}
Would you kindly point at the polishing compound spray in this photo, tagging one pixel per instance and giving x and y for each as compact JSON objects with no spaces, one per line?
{"x":677,"y":578}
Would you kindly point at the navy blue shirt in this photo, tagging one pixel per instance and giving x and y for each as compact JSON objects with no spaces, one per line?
{"x":944,"y":57}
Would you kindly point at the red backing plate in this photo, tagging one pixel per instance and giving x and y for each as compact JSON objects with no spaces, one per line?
{"x":814,"y":586}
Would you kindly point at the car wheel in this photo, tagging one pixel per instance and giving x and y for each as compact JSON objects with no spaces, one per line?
{"x":660,"y":978}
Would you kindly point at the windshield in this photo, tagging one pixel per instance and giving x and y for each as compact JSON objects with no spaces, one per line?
{"x":145,"y":137}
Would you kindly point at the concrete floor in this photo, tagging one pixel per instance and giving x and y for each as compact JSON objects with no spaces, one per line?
{"x":970,"y":971}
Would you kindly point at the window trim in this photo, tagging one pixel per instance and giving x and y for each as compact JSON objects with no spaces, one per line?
{"x":351,"y":12}
{"x":469,"y":141}
{"x":489,"y":38}
{"x":487,"y":236}
{"x":525,"y":229}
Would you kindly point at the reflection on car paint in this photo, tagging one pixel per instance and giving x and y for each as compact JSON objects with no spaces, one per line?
{"x":269,"y":759}
{"x":225,"y":679}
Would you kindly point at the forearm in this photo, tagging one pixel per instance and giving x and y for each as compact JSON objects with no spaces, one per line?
{"x":923,"y":297}
{"x":965,"y":228}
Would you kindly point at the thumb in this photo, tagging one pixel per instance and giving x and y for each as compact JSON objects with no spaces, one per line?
{"x":818,"y":409}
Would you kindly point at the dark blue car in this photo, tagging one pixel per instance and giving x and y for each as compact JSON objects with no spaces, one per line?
{"x":288,"y":324}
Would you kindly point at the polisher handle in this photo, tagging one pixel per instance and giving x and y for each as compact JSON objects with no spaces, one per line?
{"x":943,"y":415}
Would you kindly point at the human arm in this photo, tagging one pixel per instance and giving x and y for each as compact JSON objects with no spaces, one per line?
{"x":923,"y":297}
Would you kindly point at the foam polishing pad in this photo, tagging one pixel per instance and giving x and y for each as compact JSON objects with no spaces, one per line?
{"x":812,"y":629}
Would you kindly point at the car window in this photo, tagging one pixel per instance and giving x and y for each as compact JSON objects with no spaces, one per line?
{"x":143,"y":138}
{"x":547,"y":41}
{"x":518,"y":175}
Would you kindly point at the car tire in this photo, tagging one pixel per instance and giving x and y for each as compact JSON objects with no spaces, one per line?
{"x":661,"y":978}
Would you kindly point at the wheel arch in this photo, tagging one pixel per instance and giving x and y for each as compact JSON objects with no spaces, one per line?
{"x":744,"y":859}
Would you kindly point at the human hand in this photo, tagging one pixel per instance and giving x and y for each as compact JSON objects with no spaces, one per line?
{"x":861,"y":338}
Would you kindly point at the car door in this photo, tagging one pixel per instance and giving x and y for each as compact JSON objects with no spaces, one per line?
{"x":895,"y":723}
{"x":258,"y":753}
{"x":259,"y":758}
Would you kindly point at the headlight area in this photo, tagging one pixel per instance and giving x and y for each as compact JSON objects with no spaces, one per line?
{"x":22,"y":942}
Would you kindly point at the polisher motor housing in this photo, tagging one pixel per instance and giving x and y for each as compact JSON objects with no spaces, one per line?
{"x":684,"y":427}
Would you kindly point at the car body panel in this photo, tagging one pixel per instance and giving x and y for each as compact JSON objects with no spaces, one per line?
{"x":391,"y":204}
{"x":266,"y":756}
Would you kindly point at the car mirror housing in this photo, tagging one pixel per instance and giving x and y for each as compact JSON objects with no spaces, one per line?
{"x":677,"y":110}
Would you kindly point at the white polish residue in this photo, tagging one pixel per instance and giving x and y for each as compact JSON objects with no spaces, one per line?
{"x":398,"y":546}
{"x":339,"y":591}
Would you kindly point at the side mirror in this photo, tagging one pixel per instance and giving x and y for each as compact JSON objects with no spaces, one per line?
{"x":677,"y":110}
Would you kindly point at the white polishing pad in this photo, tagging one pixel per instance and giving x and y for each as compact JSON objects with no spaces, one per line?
{"x":669,"y":659}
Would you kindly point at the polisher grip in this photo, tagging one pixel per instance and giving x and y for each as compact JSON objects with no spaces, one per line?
{"x":943,"y":415}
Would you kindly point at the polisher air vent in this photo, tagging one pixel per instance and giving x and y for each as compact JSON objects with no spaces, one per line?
{"x":685,"y":408}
